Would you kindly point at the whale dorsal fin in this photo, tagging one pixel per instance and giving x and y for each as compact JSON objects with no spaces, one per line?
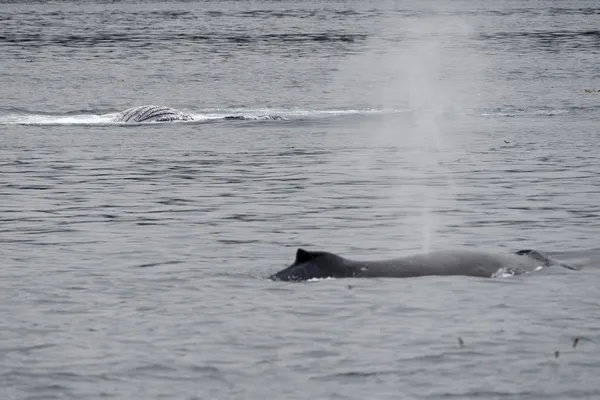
{"x":536,"y":255}
{"x":547,"y":261}
{"x":304,"y":256}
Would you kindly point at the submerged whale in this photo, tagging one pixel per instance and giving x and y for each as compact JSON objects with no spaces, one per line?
{"x":321,"y":264}
{"x":150,"y":113}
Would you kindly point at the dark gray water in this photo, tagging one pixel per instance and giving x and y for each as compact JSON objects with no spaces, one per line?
{"x":133,"y":257}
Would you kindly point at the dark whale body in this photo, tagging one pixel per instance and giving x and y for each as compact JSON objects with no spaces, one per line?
{"x":150,"y":113}
{"x":320,"y":264}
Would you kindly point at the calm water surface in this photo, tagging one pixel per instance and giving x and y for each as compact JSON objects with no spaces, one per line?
{"x":133,"y":257}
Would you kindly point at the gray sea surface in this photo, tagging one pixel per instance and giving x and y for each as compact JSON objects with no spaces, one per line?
{"x":133,"y":257}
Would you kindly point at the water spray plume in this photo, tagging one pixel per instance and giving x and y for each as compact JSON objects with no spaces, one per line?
{"x":419,"y":64}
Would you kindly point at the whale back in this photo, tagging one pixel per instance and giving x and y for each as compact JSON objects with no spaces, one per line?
{"x":320,"y":264}
{"x":151,"y":113}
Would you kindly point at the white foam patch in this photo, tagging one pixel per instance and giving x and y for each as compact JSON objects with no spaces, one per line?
{"x":508,"y":272}
{"x":503,"y":273}
{"x":551,"y":112}
{"x":319,"y":279}
{"x":274,"y":113}
{"x":34,"y":119}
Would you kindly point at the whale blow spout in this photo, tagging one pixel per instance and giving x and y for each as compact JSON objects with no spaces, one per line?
{"x":150,"y":113}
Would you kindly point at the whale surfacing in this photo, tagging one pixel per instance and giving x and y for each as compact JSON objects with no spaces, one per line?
{"x":321,"y":264}
{"x":150,"y":113}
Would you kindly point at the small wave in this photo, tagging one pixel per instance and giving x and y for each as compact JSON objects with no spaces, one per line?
{"x":573,"y":40}
{"x":541,"y":111}
{"x":140,"y":39}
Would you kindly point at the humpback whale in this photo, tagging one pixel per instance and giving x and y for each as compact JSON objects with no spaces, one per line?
{"x":321,"y":264}
{"x":150,"y":113}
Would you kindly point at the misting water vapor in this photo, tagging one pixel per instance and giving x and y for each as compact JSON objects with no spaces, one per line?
{"x":428,"y":72}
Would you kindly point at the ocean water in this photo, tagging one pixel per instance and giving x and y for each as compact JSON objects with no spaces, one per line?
{"x":133,"y":257}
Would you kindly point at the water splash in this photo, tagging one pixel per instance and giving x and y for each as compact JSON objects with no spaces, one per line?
{"x":507,"y":272}
{"x":426,"y":65}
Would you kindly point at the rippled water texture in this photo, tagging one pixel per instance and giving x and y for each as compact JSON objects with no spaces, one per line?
{"x":133,"y":256}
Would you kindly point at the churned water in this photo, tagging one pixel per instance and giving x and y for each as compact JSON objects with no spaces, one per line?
{"x":133,"y":257}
